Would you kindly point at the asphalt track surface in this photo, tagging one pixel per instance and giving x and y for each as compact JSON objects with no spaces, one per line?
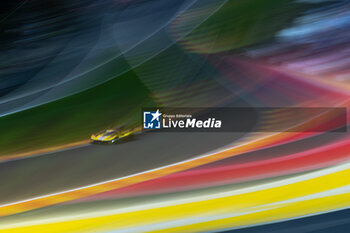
{"x":76,"y":167}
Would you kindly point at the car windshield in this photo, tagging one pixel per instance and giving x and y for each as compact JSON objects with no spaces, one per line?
{"x":109,"y":132}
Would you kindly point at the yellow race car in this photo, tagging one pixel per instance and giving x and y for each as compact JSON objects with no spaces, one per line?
{"x":111,"y":135}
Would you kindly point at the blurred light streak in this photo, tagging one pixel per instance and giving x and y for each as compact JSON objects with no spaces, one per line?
{"x":275,"y":194}
{"x":205,"y":177}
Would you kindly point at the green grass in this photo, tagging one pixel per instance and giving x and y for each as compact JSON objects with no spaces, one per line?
{"x":76,"y":117}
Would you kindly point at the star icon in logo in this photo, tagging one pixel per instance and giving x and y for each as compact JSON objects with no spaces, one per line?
{"x":156,"y":115}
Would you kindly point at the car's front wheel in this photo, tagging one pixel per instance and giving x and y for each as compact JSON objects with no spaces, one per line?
{"x":114,"y":140}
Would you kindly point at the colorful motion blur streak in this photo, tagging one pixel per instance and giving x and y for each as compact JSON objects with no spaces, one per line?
{"x":102,"y":57}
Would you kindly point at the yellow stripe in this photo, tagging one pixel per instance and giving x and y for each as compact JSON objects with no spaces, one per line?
{"x":284,"y":212}
{"x":223,"y":205}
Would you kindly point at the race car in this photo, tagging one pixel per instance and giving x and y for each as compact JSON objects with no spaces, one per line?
{"x":111,"y":135}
